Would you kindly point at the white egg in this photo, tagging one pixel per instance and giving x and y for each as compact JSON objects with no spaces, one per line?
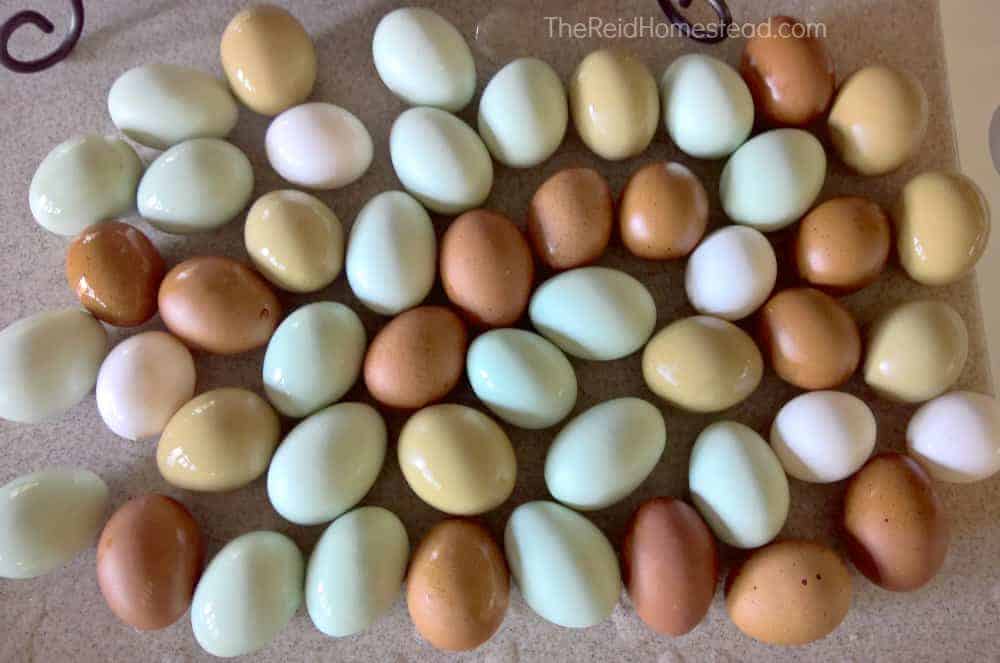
{"x":956,"y":437}
{"x":731,"y":273}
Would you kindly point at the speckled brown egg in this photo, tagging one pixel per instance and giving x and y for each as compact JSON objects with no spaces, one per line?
{"x":896,"y":530}
{"x":664,"y":211}
{"x":570,"y":218}
{"x":115,"y":272}
{"x":486,"y":268}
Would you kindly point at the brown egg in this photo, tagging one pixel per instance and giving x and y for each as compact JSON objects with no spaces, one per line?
{"x":671,"y":565}
{"x":664,"y":211}
{"x":570,"y":218}
{"x":218,"y":305}
{"x":789,"y":72}
{"x":811,"y":339}
{"x":115,"y":271}
{"x":486,"y":268}
{"x":843,"y":244}
{"x":149,"y":557}
{"x":458,"y":587}
{"x":897,"y":532}
{"x":417,"y":358}
{"x":789,"y":593}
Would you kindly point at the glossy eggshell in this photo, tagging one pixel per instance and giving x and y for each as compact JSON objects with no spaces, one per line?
{"x":956,"y":437}
{"x":663,"y":212}
{"x":149,"y":558}
{"x":457,"y":588}
{"x":570,"y":218}
{"x":731,"y":273}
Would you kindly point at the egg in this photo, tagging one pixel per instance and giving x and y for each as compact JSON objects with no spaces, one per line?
{"x":417,"y":358}
{"x":249,"y":592}
{"x":143,"y":381}
{"x":392,"y":253}
{"x":707,"y":109}
{"x":115,"y":272}
{"x":823,"y":436}
{"x":327,"y":463}
{"x":82,"y":181}
{"x":47,"y":518}
{"x":563,"y":564}
{"x":738,"y":485}
{"x":896,"y":530}
{"x":614,"y":103}
{"x":218,"y":305}
{"x":702,"y":364}
{"x":956,"y":437}
{"x":486,"y":268}
{"x":218,"y":441}
{"x":423,"y":59}
{"x":314,"y":358}
{"x":195,"y":186}
{"x":878,"y":119}
{"x":916,"y":351}
{"x":570,"y":218}
{"x":356,"y":570}
{"x":843,"y":244}
{"x":603,"y":454}
{"x":458,"y":587}
{"x":149,"y":558}
{"x":670,"y":564}
{"x":521,"y":377}
{"x":440,"y":160}
{"x":789,"y":593}
{"x":772,"y":180}
{"x":159,"y":105}
{"x":789,"y":72}
{"x":942,"y":227}
{"x":457,"y":459}
{"x":731,"y":273}
{"x":523,"y":113}
{"x":619,"y":313}
{"x":663,"y":212}
{"x":49,"y":362}
{"x":269,"y":59}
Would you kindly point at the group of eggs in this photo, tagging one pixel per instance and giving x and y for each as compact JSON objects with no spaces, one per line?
{"x":456,"y":458}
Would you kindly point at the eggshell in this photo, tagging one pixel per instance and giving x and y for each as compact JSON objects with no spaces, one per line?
{"x":457,"y":588}
{"x":563,"y":564}
{"x":327,"y":463}
{"x":149,"y":558}
{"x":314,"y":358}
{"x":521,"y":377}
{"x":956,"y":437}
{"x":605,"y":453}
{"x":670,"y":564}
{"x":356,"y":571}
{"x":738,"y":485}
{"x":896,"y":529}
{"x":594,"y":313}
{"x":49,"y":362}
{"x":220,"y":440}
{"x":248,"y":593}
{"x":570,"y":218}
{"x":457,"y":459}
{"x":47,"y":518}
{"x":731,"y":273}
{"x":664,"y":211}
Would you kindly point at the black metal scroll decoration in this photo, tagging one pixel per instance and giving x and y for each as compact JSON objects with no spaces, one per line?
{"x":45,"y":25}
{"x":713,"y":36}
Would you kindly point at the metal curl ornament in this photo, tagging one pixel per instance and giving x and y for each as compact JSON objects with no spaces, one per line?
{"x":30,"y":16}
{"x":680,"y":21}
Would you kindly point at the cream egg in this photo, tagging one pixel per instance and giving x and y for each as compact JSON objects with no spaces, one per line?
{"x":956,"y":437}
{"x":731,"y":273}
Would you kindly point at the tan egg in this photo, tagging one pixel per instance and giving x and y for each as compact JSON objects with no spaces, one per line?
{"x":570,"y":218}
{"x":878,"y":119}
{"x":457,"y":459}
{"x":789,"y":593}
{"x":269,"y":59}
{"x":458,"y":587}
{"x":811,"y":339}
{"x":218,"y":441}
{"x":942,"y":227}
{"x":294,"y":240}
{"x":916,"y":351}
{"x":663,"y":212}
{"x":702,"y":364}
{"x":614,"y":103}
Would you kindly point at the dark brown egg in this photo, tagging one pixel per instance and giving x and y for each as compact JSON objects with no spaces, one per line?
{"x":664,"y":211}
{"x":570,"y":218}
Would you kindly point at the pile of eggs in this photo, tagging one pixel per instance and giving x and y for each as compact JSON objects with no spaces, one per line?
{"x":459,"y":459}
